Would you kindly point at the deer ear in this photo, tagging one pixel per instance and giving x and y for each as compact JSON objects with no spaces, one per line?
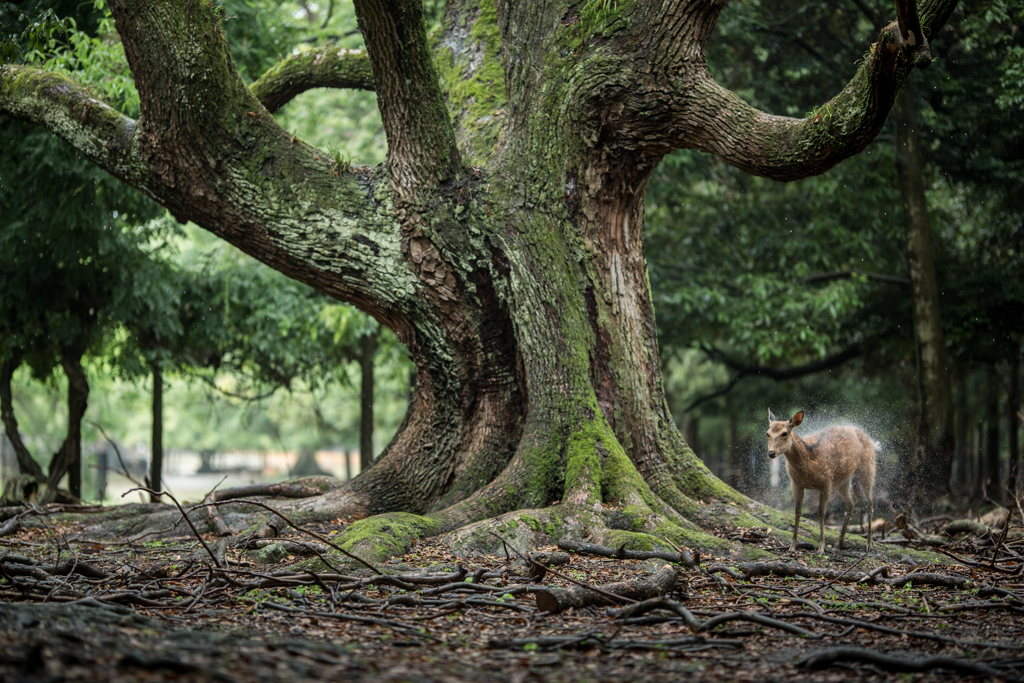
{"x":771,"y":416}
{"x":796,"y":419}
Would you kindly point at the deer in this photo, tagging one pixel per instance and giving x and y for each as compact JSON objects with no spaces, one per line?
{"x":826,"y":460}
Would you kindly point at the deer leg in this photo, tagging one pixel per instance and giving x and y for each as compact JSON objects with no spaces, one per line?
{"x":798,"y":495}
{"x":825,"y":494}
{"x":846,"y":492}
{"x":871,"y":513}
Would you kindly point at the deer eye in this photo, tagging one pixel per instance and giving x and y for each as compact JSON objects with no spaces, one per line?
{"x":783,"y":433}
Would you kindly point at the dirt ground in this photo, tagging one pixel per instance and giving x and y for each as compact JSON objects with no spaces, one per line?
{"x":75,"y":609}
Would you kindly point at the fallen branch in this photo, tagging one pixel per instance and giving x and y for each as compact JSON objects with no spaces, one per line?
{"x":555,"y":600}
{"x":590,"y":640}
{"x":11,"y":526}
{"x":294,"y":526}
{"x":275,"y":490}
{"x":682,"y":557}
{"x":696,"y":626}
{"x":875,"y":577}
{"x":571,"y":580}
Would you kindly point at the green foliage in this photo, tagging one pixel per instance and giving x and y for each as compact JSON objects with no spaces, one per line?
{"x":32,"y":32}
{"x":345,"y":122}
{"x":71,"y":256}
{"x":95,"y":60}
{"x":259,"y":33}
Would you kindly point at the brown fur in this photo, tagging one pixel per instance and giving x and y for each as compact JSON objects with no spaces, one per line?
{"x":824,"y":461}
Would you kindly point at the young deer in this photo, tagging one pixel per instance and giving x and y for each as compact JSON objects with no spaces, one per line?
{"x":827,"y":459}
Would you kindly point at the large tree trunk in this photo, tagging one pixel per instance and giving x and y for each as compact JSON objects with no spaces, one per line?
{"x":930,"y":469}
{"x":502,"y":240}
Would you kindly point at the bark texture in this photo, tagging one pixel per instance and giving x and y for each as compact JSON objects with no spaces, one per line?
{"x":502,"y":240}
{"x":930,"y":468}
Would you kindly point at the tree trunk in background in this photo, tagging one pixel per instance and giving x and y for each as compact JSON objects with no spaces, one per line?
{"x":930,"y":478}
{"x":992,"y":478}
{"x":68,"y":460}
{"x":693,"y":436}
{"x":156,"y":462}
{"x":979,"y":465}
{"x":26,"y":463}
{"x":367,"y":353}
{"x":964,"y":471}
{"x":102,"y":463}
{"x":1013,"y":424}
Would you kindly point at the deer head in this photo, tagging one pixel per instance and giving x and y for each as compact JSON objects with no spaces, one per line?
{"x":780,"y":433}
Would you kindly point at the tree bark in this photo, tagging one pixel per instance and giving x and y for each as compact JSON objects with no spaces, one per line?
{"x":156,"y":462}
{"x":930,"y":468}
{"x":502,"y":241}
{"x":367,"y":356}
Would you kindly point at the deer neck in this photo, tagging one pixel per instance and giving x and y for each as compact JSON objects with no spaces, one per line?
{"x":798,"y":450}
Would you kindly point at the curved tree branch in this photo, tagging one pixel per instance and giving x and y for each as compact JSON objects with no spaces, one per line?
{"x":206,"y":149}
{"x":778,"y":374}
{"x":74,"y":113}
{"x":783,"y":148}
{"x":325,"y":67}
{"x":846,"y":274}
{"x":696,"y":112}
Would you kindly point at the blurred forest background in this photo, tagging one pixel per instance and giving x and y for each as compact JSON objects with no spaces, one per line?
{"x":116,"y":322}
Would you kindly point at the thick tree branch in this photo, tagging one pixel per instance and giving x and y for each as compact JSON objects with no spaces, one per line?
{"x":716,"y":120}
{"x":75,"y":114}
{"x":422,"y":152}
{"x":326,"y":67}
{"x":846,"y":274}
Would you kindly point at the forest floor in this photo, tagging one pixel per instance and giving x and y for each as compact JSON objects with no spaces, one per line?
{"x":77,"y":609}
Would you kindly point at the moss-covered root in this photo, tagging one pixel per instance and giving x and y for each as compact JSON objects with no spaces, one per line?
{"x":377,"y":538}
{"x":635,"y":527}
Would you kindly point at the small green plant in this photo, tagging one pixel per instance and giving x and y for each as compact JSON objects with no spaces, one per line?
{"x":530,"y":647}
{"x":341,"y":161}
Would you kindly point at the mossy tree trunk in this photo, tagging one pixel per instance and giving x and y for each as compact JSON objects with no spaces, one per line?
{"x":502,"y":240}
